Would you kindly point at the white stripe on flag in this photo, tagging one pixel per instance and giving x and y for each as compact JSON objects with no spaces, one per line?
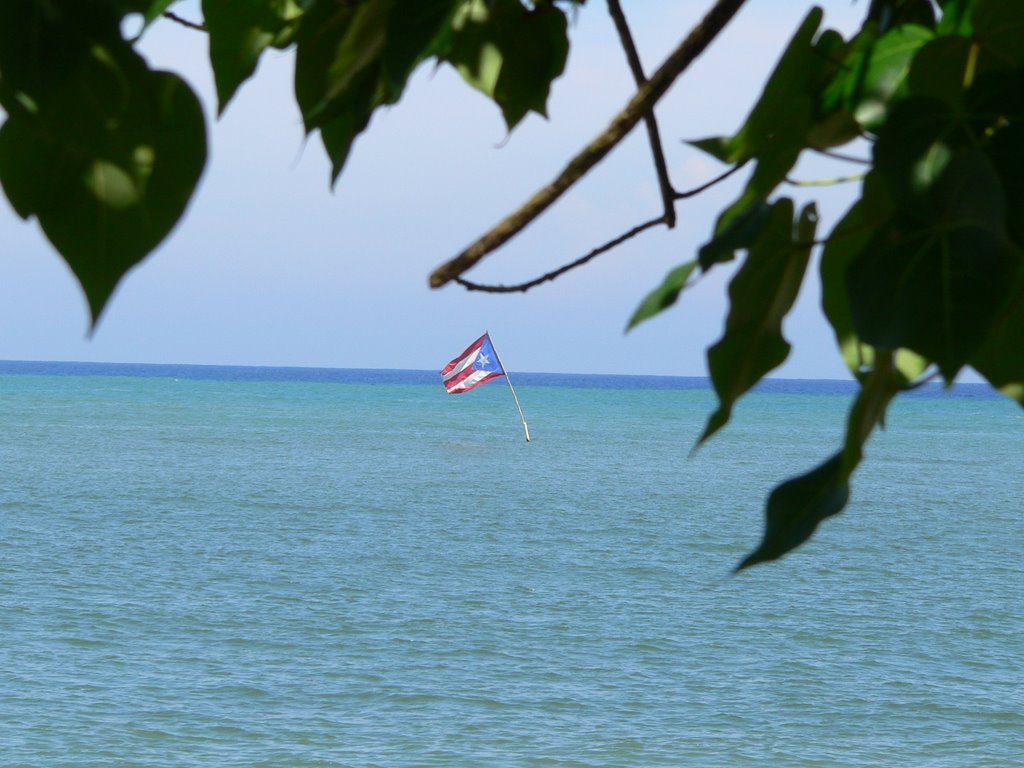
{"x":463,"y":364}
{"x":473,"y":378}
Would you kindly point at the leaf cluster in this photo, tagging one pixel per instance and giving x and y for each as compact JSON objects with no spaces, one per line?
{"x":106,"y":153}
{"x":926,"y":267}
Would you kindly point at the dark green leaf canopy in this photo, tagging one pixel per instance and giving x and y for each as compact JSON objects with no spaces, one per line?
{"x":102,"y":150}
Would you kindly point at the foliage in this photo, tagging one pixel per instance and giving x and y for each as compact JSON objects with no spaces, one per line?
{"x":924,"y":271}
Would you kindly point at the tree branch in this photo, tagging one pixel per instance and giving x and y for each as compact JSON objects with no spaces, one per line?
{"x":524,"y":287}
{"x":642,"y":102}
{"x":653,"y":135}
{"x":184,"y":22}
{"x":841,"y":156}
{"x":628,"y":235}
{"x":708,"y":185}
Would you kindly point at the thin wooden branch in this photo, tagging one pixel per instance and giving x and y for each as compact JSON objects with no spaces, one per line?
{"x":841,"y":156}
{"x":184,"y":22}
{"x":704,"y":187}
{"x":651,"y":123}
{"x":643,"y":101}
{"x":524,"y":287}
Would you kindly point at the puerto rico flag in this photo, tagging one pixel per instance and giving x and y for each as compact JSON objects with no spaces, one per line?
{"x":477,"y":365}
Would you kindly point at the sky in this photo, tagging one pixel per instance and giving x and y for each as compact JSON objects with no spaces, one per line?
{"x":271,"y":267}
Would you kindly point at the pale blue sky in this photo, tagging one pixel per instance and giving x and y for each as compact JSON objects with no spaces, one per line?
{"x":269,"y":267}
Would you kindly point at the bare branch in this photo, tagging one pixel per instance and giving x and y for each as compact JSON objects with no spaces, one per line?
{"x":653,"y":135}
{"x":642,"y":102}
{"x":704,"y":187}
{"x":184,"y":22}
{"x":841,"y":156}
{"x":524,"y":287}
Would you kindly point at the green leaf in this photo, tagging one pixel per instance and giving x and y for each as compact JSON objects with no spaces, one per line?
{"x":914,"y":148}
{"x":354,"y":57}
{"x":720,"y":148}
{"x":967,"y":78}
{"x":777,"y":130}
{"x":940,"y":70}
{"x":760,"y":296}
{"x":1007,"y":152}
{"x":510,"y":53}
{"x":778,"y":126}
{"x":933,"y":277}
{"x":876,"y":72}
{"x":956,"y":18}
{"x":239,"y":32}
{"x":833,"y":130}
{"x":1001,"y":359}
{"x":664,"y":296}
{"x":735,"y":234}
{"x":846,"y":241}
{"x":798,"y":506}
{"x":893,"y":13}
{"x":999,"y":27}
{"x":109,"y":153}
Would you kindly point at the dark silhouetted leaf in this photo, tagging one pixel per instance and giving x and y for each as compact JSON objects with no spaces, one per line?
{"x":914,"y":148}
{"x":875,"y":73}
{"x":720,"y":148}
{"x":1001,"y":359}
{"x":777,"y":130}
{"x":104,"y":152}
{"x":354,"y":57}
{"x":738,"y":233}
{"x":933,"y":278}
{"x":777,"y":127}
{"x":509,"y":52}
{"x":664,"y":296}
{"x":239,"y":32}
{"x":796,"y":507}
{"x":956,"y":18}
{"x":939,"y":70}
{"x":760,"y":296}
{"x":1007,"y":152}
{"x":999,"y":27}
{"x":849,"y":237}
{"x":892,"y":13}
{"x":779,"y":122}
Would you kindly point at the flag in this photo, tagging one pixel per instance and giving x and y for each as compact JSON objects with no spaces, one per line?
{"x":476,"y":365}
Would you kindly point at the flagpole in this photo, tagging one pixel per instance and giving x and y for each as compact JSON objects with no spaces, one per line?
{"x":508,"y":381}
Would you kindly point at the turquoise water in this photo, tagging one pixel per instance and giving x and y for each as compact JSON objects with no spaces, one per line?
{"x":252,"y":567}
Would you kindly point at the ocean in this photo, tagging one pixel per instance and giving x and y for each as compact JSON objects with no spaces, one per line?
{"x":205,"y":566}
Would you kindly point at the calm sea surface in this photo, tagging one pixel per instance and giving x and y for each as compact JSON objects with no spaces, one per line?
{"x":287,"y":567}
